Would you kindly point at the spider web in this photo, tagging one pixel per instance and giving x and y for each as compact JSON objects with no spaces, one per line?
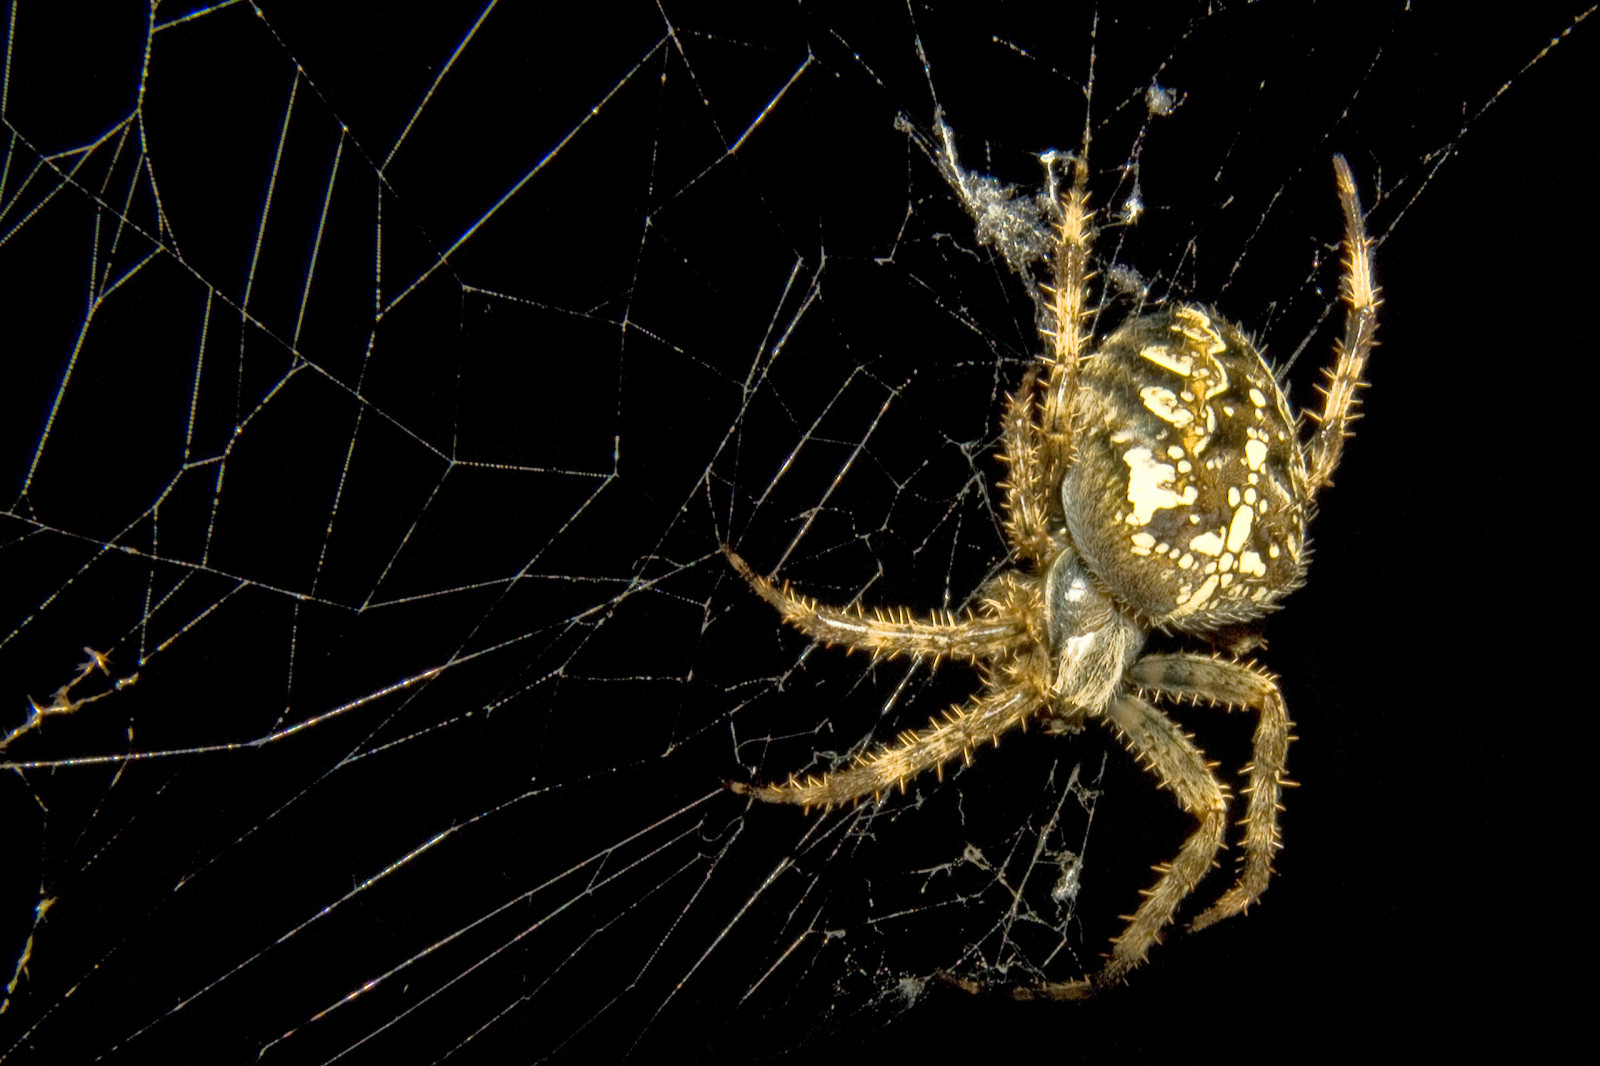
{"x":379,"y":388}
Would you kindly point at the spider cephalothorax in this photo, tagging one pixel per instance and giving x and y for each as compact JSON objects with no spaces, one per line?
{"x":1158,"y":481}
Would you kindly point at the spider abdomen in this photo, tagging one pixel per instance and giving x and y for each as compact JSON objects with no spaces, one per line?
{"x":1187,"y":492}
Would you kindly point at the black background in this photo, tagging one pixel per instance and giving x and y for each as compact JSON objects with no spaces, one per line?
{"x":1425,"y":892}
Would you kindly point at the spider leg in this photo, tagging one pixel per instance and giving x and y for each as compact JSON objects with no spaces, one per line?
{"x":1036,"y":435}
{"x":1172,"y":757}
{"x":1029,"y":499}
{"x":1201,"y":677}
{"x":1361,"y":300}
{"x":1067,"y":341}
{"x":961,"y":730}
{"x":937,"y":637}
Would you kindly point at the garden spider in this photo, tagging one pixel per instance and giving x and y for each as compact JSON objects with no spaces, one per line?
{"x":1157,"y":482}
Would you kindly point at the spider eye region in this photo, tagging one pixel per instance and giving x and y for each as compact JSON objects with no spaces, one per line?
{"x":1188,"y":494}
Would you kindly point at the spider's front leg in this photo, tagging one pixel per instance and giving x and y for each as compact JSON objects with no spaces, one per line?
{"x":1164,"y":750}
{"x":1219,"y":681}
{"x":1167,"y":753}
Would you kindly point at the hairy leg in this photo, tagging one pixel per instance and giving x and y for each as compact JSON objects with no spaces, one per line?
{"x":1360,"y":324}
{"x":1234,"y":684}
{"x":961,"y":730}
{"x":1164,"y":750}
{"x":1067,"y":342}
{"x":1029,"y":499}
{"x":936,"y":637}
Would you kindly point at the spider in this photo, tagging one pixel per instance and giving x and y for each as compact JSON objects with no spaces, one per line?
{"x":1156,"y":482}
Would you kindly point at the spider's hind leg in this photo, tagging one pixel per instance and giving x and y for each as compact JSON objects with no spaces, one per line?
{"x":1067,"y":341}
{"x":1361,"y":300}
{"x":1030,"y":499}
